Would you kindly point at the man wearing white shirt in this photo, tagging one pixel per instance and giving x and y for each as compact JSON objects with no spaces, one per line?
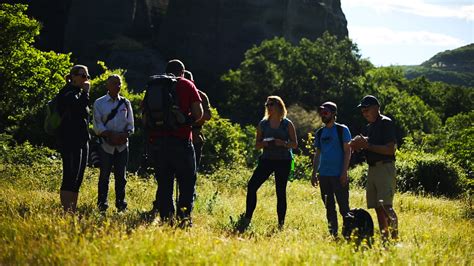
{"x":113,"y":122}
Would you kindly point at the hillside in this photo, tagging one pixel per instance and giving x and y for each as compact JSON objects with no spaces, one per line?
{"x":451,"y":66}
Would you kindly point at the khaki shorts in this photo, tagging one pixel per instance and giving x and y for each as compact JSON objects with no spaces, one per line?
{"x":381,"y":184}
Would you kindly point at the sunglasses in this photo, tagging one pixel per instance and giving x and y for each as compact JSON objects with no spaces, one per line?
{"x":324,"y":113}
{"x":269,"y":104}
{"x":84,"y":76}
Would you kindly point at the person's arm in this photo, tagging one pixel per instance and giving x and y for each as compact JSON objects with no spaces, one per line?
{"x":387,"y":149}
{"x":206,"y":115}
{"x":130,"y":129}
{"x":196,"y":110}
{"x":345,"y":164}
{"x":99,"y":127}
{"x":259,"y":143}
{"x":314,"y":174}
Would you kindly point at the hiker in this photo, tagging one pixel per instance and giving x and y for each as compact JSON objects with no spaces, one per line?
{"x":276,"y":135}
{"x":379,"y":146}
{"x":113,"y":123}
{"x":198,"y":136}
{"x":330,"y":164}
{"x":73,"y":135}
{"x":173,"y":151}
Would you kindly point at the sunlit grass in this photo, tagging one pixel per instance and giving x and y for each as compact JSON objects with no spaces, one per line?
{"x":33,"y":230}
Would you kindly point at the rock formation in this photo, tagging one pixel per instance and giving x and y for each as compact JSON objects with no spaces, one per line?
{"x":210,"y":36}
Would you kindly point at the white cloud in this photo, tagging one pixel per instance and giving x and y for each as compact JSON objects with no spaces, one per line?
{"x":450,"y":9}
{"x":384,"y":36}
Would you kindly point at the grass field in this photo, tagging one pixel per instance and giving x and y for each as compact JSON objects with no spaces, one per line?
{"x":33,"y":230}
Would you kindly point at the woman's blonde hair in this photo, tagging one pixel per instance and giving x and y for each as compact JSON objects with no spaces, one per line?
{"x":281,"y":106}
{"x":74,"y":70}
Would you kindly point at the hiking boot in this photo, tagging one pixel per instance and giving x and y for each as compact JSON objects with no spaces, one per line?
{"x":242,"y":224}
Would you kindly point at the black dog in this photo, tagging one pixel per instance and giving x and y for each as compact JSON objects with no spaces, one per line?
{"x":358,"y":225}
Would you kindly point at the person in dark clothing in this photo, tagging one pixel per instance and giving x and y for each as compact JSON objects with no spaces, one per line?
{"x":73,"y":134}
{"x":379,"y":146}
{"x":330,"y":165}
{"x":276,"y":135}
{"x":173,"y":153}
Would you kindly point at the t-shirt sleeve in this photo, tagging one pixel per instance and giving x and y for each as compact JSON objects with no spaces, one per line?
{"x":194,"y":94}
{"x":389,"y":131}
{"x":317,"y":143}
{"x":346,"y":135}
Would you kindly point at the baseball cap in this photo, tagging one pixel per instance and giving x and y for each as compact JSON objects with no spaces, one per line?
{"x":368,"y":100}
{"x":329,"y":106}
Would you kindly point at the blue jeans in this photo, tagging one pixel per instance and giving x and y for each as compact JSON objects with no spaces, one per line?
{"x":118,"y":161}
{"x":174,"y":157}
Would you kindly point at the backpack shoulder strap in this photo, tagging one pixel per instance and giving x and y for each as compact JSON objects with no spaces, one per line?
{"x":114,"y":111}
{"x":319,"y":132}
{"x":340,"y":133}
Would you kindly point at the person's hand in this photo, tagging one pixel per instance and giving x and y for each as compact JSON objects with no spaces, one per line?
{"x":359,"y":143}
{"x":343,"y":179}
{"x":314,"y":179}
{"x":279,"y":142}
{"x":86,"y":86}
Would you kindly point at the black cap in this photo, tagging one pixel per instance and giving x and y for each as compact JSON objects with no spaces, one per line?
{"x":329,"y":106}
{"x":368,"y":100}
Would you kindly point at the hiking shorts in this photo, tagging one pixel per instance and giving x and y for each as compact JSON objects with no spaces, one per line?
{"x":381,"y":184}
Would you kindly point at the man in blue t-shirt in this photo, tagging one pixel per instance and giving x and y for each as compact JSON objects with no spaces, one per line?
{"x":330,"y":164}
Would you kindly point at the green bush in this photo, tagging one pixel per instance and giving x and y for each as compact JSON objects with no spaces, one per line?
{"x":223,"y":146}
{"x":421,"y":172}
{"x":435,"y":174}
{"x":358,"y":175}
{"x":25,"y":153}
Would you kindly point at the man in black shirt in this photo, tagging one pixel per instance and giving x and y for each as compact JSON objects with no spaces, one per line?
{"x":379,"y":146}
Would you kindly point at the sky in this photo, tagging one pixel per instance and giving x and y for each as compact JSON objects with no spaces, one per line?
{"x":408,"y":32}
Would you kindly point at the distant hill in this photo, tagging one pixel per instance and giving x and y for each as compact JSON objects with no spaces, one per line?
{"x":451,"y":66}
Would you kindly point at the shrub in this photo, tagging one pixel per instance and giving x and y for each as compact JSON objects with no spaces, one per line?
{"x":435,"y":174}
{"x":223,"y":146}
{"x":25,"y":153}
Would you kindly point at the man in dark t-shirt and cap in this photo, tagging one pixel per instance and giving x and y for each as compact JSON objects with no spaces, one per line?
{"x":379,"y":146}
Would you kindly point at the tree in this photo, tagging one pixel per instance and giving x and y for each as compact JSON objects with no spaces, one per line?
{"x":28,"y":77}
{"x":306,"y":74}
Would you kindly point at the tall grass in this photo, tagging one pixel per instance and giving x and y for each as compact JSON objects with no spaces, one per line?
{"x":33,"y":229}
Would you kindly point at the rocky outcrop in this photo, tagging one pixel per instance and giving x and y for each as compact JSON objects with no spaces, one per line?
{"x":209,"y":36}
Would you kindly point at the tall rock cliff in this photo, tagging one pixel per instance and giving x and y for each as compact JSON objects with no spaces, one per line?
{"x":210,"y":36}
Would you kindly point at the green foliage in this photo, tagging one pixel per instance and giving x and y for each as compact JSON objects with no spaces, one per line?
{"x":429,"y":173}
{"x":305,"y":121}
{"x":452,"y":66}
{"x":412,"y":114}
{"x":29,"y":77}
{"x":459,"y":131}
{"x":306,"y":74}
{"x":24,"y":154}
{"x":223,"y":146}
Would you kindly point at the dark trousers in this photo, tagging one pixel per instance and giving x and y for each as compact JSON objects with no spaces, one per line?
{"x":118,"y":161}
{"x":281,"y":168}
{"x":331,"y":186}
{"x":174,"y":157}
{"x":74,"y":165}
{"x":198,"y":150}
